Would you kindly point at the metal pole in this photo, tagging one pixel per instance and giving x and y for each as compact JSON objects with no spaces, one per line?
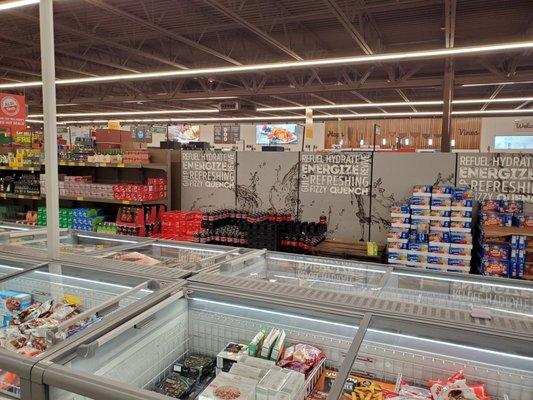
{"x":447,"y":108}
{"x":46,"y":17}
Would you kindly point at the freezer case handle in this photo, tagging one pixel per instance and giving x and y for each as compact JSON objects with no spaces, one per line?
{"x":138,"y":322}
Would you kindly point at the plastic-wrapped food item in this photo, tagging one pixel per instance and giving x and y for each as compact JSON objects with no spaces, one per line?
{"x":455,"y":387}
{"x":195,"y":365}
{"x":227,"y":357}
{"x":302,"y":353}
{"x":136,"y":257}
{"x":229,"y":387}
{"x":175,"y":385}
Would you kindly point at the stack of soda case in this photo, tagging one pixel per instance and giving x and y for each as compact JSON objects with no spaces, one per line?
{"x":433,"y":231}
{"x":502,"y":256}
{"x":273,"y":230}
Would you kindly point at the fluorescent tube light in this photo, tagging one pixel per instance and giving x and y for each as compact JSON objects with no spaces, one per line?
{"x":126,"y":113}
{"x":452,"y":142}
{"x":494,"y":84}
{"x":302,"y":117}
{"x":430,"y":142}
{"x":325,"y":62}
{"x":35,"y":121}
{"x":397,"y":104}
{"x":16,"y":4}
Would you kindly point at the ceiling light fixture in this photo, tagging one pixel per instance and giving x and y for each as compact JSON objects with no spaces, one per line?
{"x":495,"y":83}
{"x":325,"y":62}
{"x":126,"y":113}
{"x":34,"y":121}
{"x":16,"y":4}
{"x":397,"y":104}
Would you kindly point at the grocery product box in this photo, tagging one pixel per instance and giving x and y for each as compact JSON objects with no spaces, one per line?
{"x":400,"y":222}
{"x":498,"y":251}
{"x":440,"y":222}
{"x":442,"y":191}
{"x":436,"y":213}
{"x":418,"y":258}
{"x":439,"y":248}
{"x":440,"y":259}
{"x":12,"y":303}
{"x":518,"y":242}
{"x":459,"y":215}
{"x":495,"y":219}
{"x":439,"y":237}
{"x":523,"y":220}
{"x":397,"y":255}
{"x":397,"y":245}
{"x":400,"y":211}
{"x":511,"y":207}
{"x":459,"y":261}
{"x":420,"y":202}
{"x":460,"y":238}
{"x":420,"y":214}
{"x":419,"y":247}
{"x":460,"y":249}
{"x":422,"y":190}
{"x":462,"y":205}
{"x":227,"y":386}
{"x":462,"y":193}
{"x":398,"y":235}
{"x":494,"y":267}
{"x":441,"y":203}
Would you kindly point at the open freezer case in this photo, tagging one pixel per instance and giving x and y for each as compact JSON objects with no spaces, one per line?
{"x":49,"y":305}
{"x":401,"y":359}
{"x":34,"y":243}
{"x":480,"y":295}
{"x":12,"y":227}
{"x":306,"y":271}
{"x":201,"y":347}
{"x":160,"y":259}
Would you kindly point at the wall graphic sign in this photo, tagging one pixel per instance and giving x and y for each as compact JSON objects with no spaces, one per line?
{"x":335,"y":173}
{"x":227,"y":134}
{"x":12,"y":111}
{"x":497,"y":176}
{"x":141,"y":134}
{"x":208,"y":170}
{"x":523,"y":125}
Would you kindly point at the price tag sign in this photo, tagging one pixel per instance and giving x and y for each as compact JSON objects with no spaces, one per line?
{"x":125,"y":202}
{"x":79,"y":198}
{"x":121,"y":165}
{"x":72,"y":163}
{"x":103,"y":164}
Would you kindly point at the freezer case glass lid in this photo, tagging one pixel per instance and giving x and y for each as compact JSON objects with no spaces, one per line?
{"x":307,"y":271}
{"x":186,"y":343}
{"x":71,"y":242}
{"x":181,"y":256}
{"x":478,"y":294}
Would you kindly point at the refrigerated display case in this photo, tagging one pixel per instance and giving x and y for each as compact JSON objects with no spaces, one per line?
{"x":362,"y":350}
{"x":159,"y":259}
{"x":34,"y":243}
{"x":46,"y":306}
{"x":472,"y":293}
{"x":129,"y":363}
{"x":11,"y":227}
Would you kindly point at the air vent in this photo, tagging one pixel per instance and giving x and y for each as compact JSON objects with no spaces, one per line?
{"x":236,"y":105}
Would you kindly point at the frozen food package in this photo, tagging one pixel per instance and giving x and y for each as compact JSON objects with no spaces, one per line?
{"x":422,"y":190}
{"x":12,"y":303}
{"x":268,"y":344}
{"x":247,"y":371}
{"x":227,"y":357}
{"x":278,"y":346}
{"x":256,"y":343}
{"x":511,"y":206}
{"x":229,"y":387}
{"x":195,"y":366}
{"x":175,"y":386}
{"x":271,"y":383}
{"x":256,"y":362}
{"x":302,"y":353}
{"x":442,"y":191}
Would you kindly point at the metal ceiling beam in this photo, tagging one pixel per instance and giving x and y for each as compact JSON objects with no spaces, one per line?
{"x":105,"y":6}
{"x":450,"y":7}
{"x":98,"y":39}
{"x":357,"y":36}
{"x":251,"y":27}
{"x":493,"y":96}
{"x":405,"y":98}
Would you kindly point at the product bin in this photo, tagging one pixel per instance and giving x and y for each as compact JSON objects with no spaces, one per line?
{"x":34,"y":243}
{"x":125,"y":362}
{"x":363,"y":337}
{"x":98,"y":297}
{"x":161,"y":259}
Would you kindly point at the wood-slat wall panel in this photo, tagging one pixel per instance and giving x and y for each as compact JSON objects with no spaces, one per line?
{"x":465,"y":131}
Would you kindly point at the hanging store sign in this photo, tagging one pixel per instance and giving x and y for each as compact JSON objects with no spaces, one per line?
{"x":497,"y":176}
{"x":12,"y":111}
{"x":141,"y":134}
{"x":523,"y":125}
{"x":226,"y":134}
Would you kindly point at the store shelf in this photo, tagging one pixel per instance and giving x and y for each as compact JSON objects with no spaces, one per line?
{"x":507,"y":231}
{"x":33,"y":168}
{"x":111,"y":201}
{"x":112,"y":165}
{"x":19,"y":196}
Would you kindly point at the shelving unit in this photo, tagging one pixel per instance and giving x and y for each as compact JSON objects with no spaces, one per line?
{"x":19,"y":196}
{"x":507,"y":231}
{"x":31,"y":168}
{"x":111,"y":201}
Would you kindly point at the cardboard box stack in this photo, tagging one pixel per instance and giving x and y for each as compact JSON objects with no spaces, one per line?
{"x":433,"y":231}
{"x":506,"y":255}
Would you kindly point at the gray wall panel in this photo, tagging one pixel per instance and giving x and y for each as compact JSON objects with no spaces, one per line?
{"x":267,"y":181}
{"x":338,"y":186}
{"x":208,"y":179}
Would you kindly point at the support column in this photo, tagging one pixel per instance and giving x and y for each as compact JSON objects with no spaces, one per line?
{"x":447,"y":107}
{"x":46,"y":19}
